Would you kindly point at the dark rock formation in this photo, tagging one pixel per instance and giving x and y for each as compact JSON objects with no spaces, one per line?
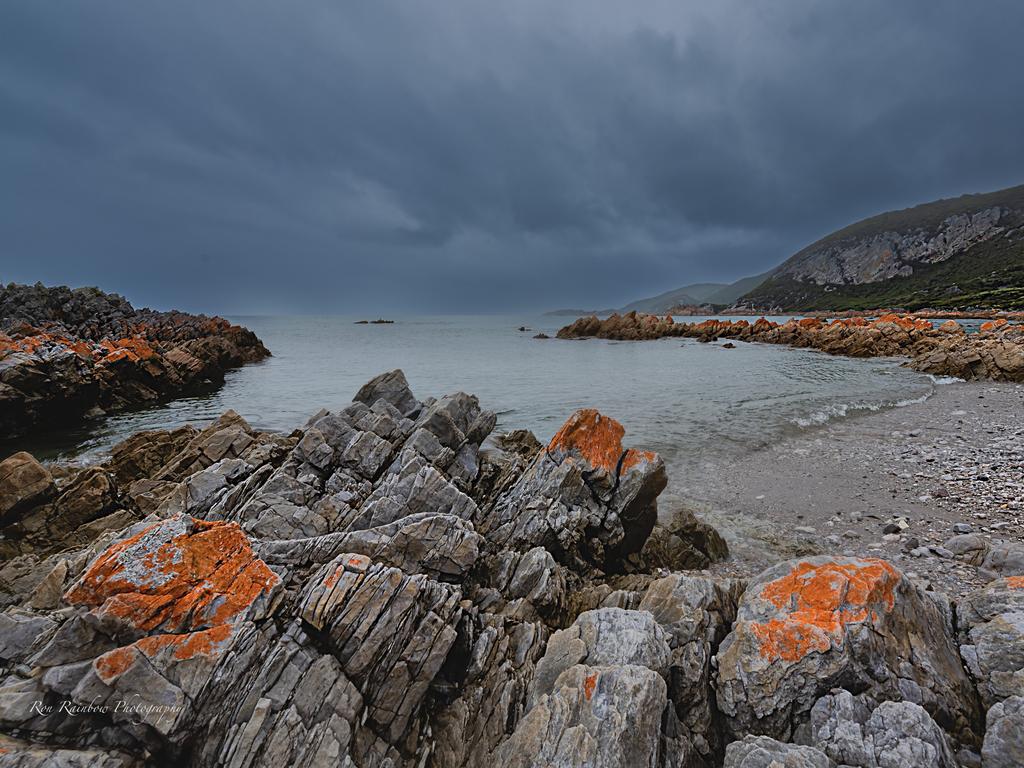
{"x":68,"y":353}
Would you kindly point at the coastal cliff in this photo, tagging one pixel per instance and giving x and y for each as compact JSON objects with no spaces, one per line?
{"x":66,"y":354}
{"x":394,"y":585}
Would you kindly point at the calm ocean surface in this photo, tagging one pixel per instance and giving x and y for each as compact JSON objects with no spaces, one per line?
{"x":691,"y":402}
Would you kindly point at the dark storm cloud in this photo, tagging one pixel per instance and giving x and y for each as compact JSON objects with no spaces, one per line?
{"x":467,"y":156}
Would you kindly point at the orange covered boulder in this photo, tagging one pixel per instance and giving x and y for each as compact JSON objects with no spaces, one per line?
{"x":588,"y":500}
{"x":178,"y":575}
{"x":807,"y":626}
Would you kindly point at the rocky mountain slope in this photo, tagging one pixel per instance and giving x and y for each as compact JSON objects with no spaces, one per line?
{"x":393,"y":586}
{"x":65,"y":354}
{"x":962,"y":252}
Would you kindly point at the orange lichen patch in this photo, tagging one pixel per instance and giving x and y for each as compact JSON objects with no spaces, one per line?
{"x":209,"y":642}
{"x":819,"y":602}
{"x":1015,"y":582}
{"x":31,"y":344}
{"x":180,"y":575}
{"x":589,"y":684}
{"x":634,"y":456}
{"x":133,"y":349}
{"x":597,"y":438}
{"x":334,"y":576}
{"x":114,"y":663}
{"x":810,"y":322}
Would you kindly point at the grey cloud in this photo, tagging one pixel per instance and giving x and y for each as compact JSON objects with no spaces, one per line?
{"x":464,"y":156}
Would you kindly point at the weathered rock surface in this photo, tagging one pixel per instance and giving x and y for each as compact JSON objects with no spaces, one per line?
{"x":806,"y":626}
{"x":855,"y":731}
{"x":991,"y":633}
{"x":390,"y":586}
{"x":67,"y":353}
{"x":765,"y":752}
{"x":1004,"y":735}
{"x":996,"y":352}
{"x":594,"y":716}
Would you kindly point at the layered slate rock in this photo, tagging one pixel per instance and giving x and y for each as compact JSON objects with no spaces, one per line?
{"x":390,"y":586}
{"x":594,"y":716}
{"x":585,"y":498}
{"x":991,"y":634}
{"x":181,"y":592}
{"x":858,"y":732}
{"x":806,"y":626}
{"x":65,"y":354}
{"x":765,"y":752}
{"x":696,"y":613}
{"x":1004,"y":734}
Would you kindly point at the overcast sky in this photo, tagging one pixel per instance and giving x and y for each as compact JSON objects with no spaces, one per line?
{"x":467,"y":156}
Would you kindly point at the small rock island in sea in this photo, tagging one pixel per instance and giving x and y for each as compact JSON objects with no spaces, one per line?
{"x":396,"y":585}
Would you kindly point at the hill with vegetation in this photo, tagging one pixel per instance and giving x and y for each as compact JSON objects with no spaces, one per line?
{"x":960,"y":253}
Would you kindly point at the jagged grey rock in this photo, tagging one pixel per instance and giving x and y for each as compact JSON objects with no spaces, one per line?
{"x":991,"y":627}
{"x":600,"y":717}
{"x":855,"y":731}
{"x":765,"y":752}
{"x":1004,"y":734}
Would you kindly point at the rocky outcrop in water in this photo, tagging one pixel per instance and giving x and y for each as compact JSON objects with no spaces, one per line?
{"x":996,"y":352}
{"x":68,"y":353}
{"x":393,"y":585}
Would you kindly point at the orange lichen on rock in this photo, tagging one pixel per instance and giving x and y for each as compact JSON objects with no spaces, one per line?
{"x":179,"y":575}
{"x":589,"y":684}
{"x":635,"y":456}
{"x":133,"y":349}
{"x":992,"y":325}
{"x":810,"y":322}
{"x":31,"y":344}
{"x":208,"y":642}
{"x":1015,"y":582}
{"x":819,"y":601}
{"x":597,"y":438}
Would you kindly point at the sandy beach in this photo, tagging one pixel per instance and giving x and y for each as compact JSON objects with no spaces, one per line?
{"x":956,"y":459}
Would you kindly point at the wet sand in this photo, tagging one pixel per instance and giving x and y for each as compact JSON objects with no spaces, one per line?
{"x":956,"y":458}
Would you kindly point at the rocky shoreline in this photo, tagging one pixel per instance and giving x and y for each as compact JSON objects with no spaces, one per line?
{"x":395,"y":585}
{"x":69,"y":354}
{"x":996,"y":352}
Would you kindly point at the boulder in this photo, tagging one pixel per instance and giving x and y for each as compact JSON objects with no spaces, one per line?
{"x":585,"y":499}
{"x":696,"y":612}
{"x":602,"y":638}
{"x":990,"y":622}
{"x":24,"y":483}
{"x":765,"y":752}
{"x":1004,"y":734}
{"x":806,"y":626}
{"x":856,"y":732}
{"x":391,"y":387}
{"x":599,"y":717}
